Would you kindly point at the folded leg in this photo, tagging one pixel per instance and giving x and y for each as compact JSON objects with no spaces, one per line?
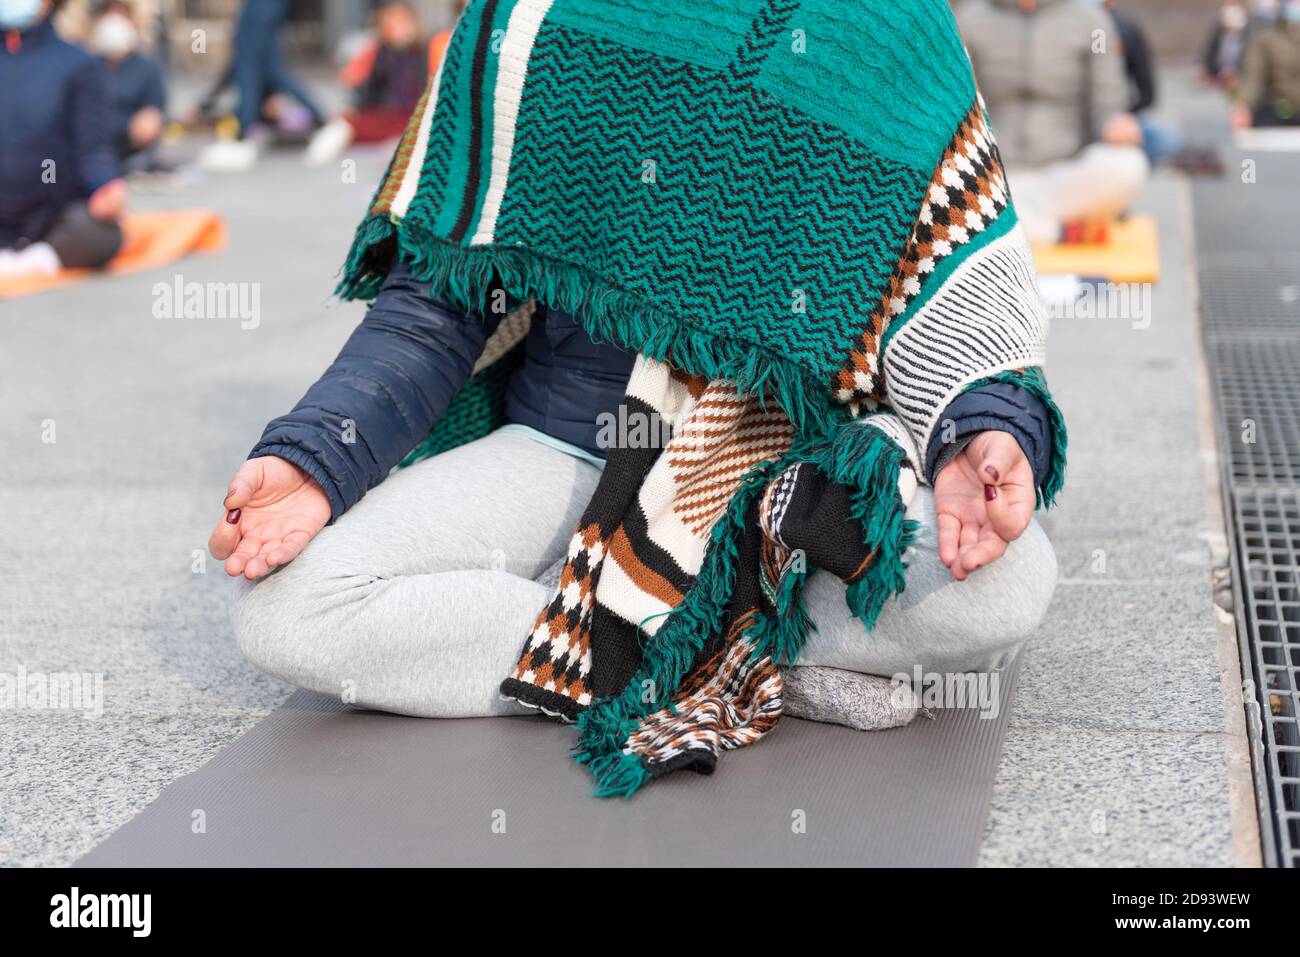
{"x":418,"y":600}
{"x":938,"y":623}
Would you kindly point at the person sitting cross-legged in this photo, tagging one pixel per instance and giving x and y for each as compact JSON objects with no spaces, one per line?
{"x":137,"y":93}
{"x":1053,"y":77}
{"x":61,"y":191}
{"x":618,"y":443}
{"x":1269,"y":91}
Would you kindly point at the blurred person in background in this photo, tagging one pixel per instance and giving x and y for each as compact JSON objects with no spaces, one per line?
{"x":1162,"y":142}
{"x":259,"y":69}
{"x":61,"y":192}
{"x":1139,"y":64}
{"x":271,"y":101}
{"x":1266,"y":12}
{"x":387,"y":77}
{"x":1053,"y":78}
{"x":137,"y":95}
{"x":1269,"y":91}
{"x":1226,"y":46}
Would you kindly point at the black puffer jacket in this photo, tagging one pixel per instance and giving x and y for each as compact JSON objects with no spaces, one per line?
{"x":401,"y":367}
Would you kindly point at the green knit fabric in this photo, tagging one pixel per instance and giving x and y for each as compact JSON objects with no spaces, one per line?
{"x":757,"y":194}
{"x":652,"y":188}
{"x":478,"y":408}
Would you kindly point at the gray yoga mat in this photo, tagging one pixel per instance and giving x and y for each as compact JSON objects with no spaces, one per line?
{"x":318,"y":784}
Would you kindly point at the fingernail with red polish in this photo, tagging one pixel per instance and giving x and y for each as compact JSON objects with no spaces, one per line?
{"x":232,"y":517}
{"x":990,"y":492}
{"x":993,"y":473}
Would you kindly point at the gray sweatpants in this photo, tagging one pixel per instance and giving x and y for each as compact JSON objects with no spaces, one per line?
{"x":418,"y":600}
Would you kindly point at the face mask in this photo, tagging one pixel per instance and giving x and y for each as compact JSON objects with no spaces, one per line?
{"x":113,"y":36}
{"x":19,"y":14}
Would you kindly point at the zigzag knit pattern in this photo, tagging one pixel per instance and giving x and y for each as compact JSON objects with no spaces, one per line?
{"x":794,"y":212}
{"x":732,"y":182}
{"x":754,"y":222}
{"x":967,"y":194}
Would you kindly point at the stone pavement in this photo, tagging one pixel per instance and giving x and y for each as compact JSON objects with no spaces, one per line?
{"x":1118,"y":747}
{"x":105,"y":525}
{"x":1126,"y":744}
{"x":1120,"y":742}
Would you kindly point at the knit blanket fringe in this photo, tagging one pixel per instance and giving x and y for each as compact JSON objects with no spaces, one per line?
{"x":466,"y":276}
{"x":811,"y":258}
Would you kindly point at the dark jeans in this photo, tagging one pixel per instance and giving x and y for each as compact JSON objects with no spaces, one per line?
{"x":81,"y":240}
{"x":258,"y":67}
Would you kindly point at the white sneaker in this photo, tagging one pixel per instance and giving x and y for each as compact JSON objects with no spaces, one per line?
{"x":229,"y":156}
{"x":38,"y":259}
{"x":328,"y":143}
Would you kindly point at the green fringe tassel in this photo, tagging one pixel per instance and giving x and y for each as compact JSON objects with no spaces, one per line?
{"x":861,"y":457}
{"x":618,"y":774}
{"x":466,"y":276}
{"x":603,"y":729}
{"x":867,"y":460}
{"x":365,"y":269}
{"x":781,"y":636}
{"x":1035,"y":381}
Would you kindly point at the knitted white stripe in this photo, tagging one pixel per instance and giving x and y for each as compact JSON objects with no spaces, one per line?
{"x":512,"y":71}
{"x":665,"y":526}
{"x":985,"y":319}
{"x":619,"y":594}
{"x":653,"y":383}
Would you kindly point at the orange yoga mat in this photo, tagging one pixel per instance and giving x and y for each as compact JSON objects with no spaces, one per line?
{"x":152,"y":239}
{"x":1132,"y":254}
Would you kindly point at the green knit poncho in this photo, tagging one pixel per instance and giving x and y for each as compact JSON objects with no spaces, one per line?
{"x":794,"y":211}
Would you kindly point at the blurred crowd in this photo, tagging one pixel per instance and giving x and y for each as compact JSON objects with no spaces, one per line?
{"x":1071,"y":88}
{"x":1253,"y":53}
{"x":83,"y":115}
{"x":1070,"y":85}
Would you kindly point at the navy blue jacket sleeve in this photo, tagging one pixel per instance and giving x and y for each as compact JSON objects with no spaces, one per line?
{"x":89,"y":123}
{"x":1000,"y":406}
{"x":393,"y":380}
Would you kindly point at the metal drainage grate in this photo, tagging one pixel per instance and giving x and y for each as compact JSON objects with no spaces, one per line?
{"x":1252,"y":299}
{"x":1258,"y":391}
{"x":1250,"y":302}
{"x":1268,"y":549}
